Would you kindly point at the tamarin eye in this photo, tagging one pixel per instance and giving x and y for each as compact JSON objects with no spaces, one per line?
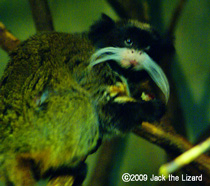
{"x":128,"y":42}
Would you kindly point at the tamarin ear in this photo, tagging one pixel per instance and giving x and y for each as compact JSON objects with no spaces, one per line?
{"x":101,"y":28}
{"x":163,"y":46}
{"x":168,"y":44}
{"x":107,"y":18}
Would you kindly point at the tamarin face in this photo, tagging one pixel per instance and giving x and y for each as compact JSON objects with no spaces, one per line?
{"x":130,"y":47}
{"x":129,"y":34}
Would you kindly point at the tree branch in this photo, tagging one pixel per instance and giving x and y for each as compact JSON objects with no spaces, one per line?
{"x":175,"y":17}
{"x":106,"y":158}
{"x":174,"y":145}
{"x":41,"y":15}
{"x":7,"y":41}
{"x":131,"y":9}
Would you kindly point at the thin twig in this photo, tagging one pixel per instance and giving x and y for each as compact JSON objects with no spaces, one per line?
{"x":7,"y":41}
{"x":41,"y":15}
{"x":185,"y":158}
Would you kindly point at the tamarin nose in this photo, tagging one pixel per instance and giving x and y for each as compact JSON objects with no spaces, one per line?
{"x":133,"y":62}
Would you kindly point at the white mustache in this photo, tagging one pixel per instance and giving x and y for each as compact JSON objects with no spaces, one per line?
{"x":144,"y":62}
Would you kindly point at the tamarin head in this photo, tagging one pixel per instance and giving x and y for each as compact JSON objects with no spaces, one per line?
{"x":130,"y":46}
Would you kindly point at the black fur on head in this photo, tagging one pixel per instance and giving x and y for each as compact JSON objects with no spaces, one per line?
{"x":129,"y":34}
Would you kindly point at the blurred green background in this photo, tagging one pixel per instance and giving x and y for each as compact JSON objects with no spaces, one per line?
{"x":190,"y":70}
